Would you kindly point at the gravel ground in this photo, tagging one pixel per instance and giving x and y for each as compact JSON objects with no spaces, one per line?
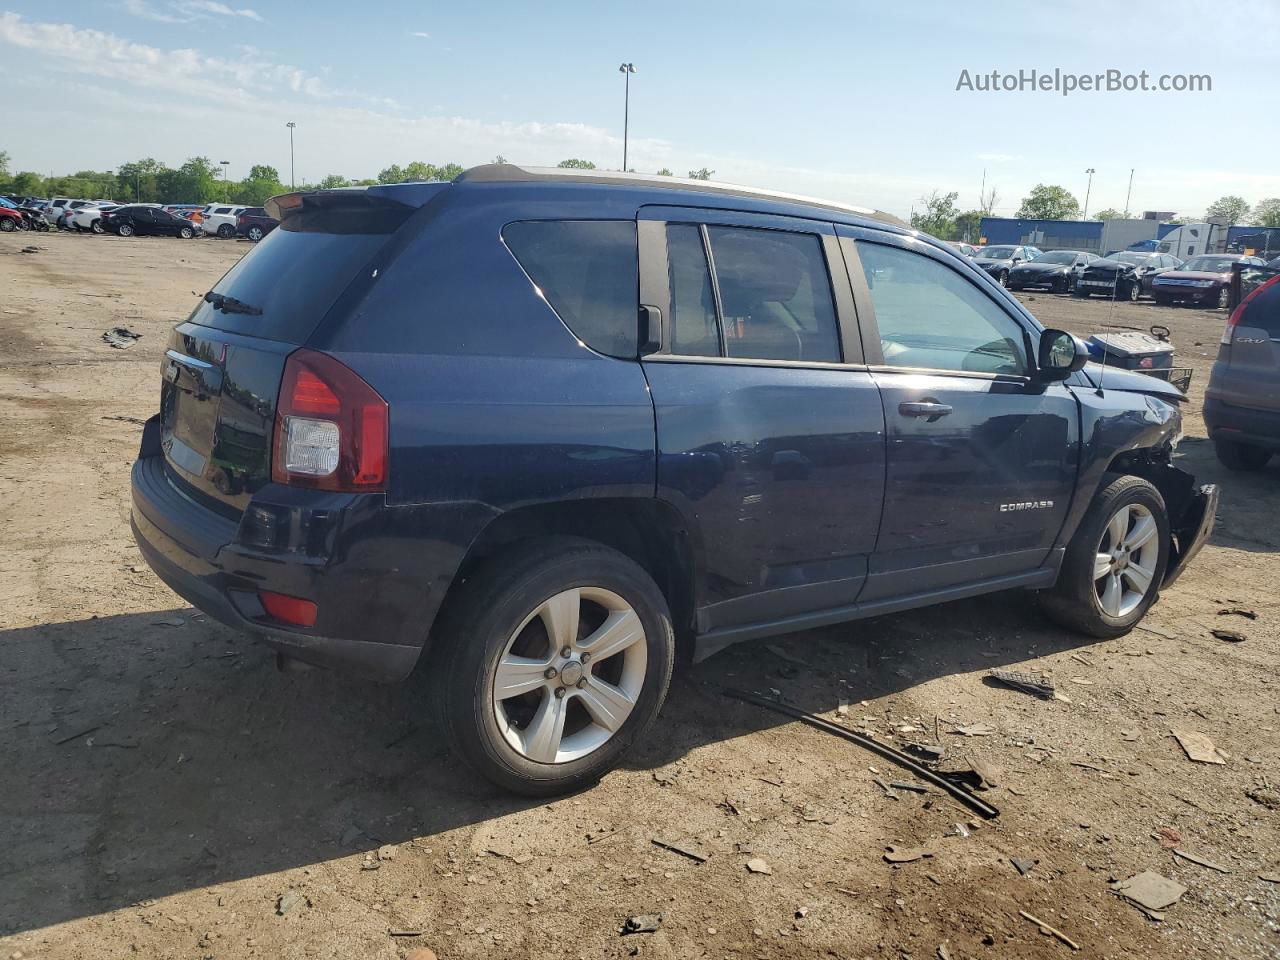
{"x":168,"y":787}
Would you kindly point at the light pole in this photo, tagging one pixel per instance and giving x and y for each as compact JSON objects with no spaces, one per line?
{"x":224,"y":163}
{"x":1129,"y":193}
{"x":1087,"y":191}
{"x":627,"y":69}
{"x":290,"y":125}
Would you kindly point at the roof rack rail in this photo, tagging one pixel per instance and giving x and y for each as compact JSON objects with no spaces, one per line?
{"x":513,"y":173}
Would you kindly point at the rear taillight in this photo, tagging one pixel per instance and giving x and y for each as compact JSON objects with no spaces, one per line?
{"x":240,"y":220}
{"x":1238,"y":313}
{"x":331,"y":427}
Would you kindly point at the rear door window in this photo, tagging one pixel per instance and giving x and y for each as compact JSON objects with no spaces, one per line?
{"x":775,"y":296}
{"x":695,"y":330}
{"x":588,"y":272}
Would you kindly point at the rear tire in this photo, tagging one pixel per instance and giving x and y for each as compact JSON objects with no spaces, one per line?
{"x":125,"y":230}
{"x":1115,"y":563}
{"x":1241,"y":457}
{"x":254,"y":233}
{"x":226,"y":231}
{"x":506,"y":614}
{"x":97,"y":227}
{"x":186,"y":233}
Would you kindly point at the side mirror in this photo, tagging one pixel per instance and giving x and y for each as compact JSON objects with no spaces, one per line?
{"x":1060,"y":355}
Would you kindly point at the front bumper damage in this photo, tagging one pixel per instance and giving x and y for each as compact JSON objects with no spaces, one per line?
{"x":1190,"y":527}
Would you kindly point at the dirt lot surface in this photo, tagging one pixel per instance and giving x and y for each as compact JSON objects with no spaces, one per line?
{"x":168,"y":793}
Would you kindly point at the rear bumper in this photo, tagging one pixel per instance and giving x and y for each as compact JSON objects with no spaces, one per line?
{"x":1227,"y":421}
{"x":375,"y":604}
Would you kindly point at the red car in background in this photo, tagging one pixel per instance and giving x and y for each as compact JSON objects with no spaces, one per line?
{"x":1205,"y":279}
{"x":10,"y":219}
{"x":254,"y":223}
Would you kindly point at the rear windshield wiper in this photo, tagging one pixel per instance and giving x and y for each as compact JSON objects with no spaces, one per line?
{"x":231,"y":304}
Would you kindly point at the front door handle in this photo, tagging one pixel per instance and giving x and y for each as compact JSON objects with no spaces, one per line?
{"x":924,"y":408}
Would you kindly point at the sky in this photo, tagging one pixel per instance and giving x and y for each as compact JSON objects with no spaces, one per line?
{"x":849,"y":101}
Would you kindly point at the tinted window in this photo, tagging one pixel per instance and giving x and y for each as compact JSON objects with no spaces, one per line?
{"x":1263,"y":310}
{"x":295,"y":273}
{"x":222,"y":210}
{"x":694,"y":330}
{"x":587,"y":271}
{"x":255,"y":212}
{"x":775,"y":296}
{"x":931,"y":317}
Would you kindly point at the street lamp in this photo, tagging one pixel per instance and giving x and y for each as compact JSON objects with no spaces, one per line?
{"x":225,"y":194}
{"x":290,"y":125}
{"x":627,"y":69}
{"x":1087,"y":191}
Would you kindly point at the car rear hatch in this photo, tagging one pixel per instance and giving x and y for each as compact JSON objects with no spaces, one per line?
{"x":1249,"y":358}
{"x":223,"y":366}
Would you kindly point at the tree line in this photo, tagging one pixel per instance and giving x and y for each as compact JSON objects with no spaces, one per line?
{"x":200,"y":180}
{"x":939,"y":215}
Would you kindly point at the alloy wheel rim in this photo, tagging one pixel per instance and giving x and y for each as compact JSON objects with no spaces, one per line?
{"x":569,"y":675}
{"x":1124,"y":564}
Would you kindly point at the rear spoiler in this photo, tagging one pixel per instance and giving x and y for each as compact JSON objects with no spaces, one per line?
{"x":382,"y":197}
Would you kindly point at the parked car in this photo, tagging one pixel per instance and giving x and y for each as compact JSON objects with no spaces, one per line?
{"x":144,"y":220}
{"x":89,"y":218}
{"x":1125,"y":275}
{"x":964,"y":249}
{"x":1242,"y":400}
{"x":1058,"y":270}
{"x":11,"y":219}
{"x":255,"y":223}
{"x":491,"y":467}
{"x":219,"y":219}
{"x":999,"y":259}
{"x":1205,"y":280}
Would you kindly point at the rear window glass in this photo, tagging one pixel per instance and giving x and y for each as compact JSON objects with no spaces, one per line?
{"x":1263,"y":311}
{"x":587,"y":271}
{"x":297,"y":271}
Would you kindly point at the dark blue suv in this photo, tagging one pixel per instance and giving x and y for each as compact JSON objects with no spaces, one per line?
{"x":544,"y":432}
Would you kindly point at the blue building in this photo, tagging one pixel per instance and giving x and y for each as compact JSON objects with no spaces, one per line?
{"x":1048,"y":234}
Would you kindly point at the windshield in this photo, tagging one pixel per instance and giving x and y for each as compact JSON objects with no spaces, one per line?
{"x":997,"y":253}
{"x":1131,"y":258}
{"x":6,"y":203}
{"x":1058,"y":256}
{"x":1209,"y":264}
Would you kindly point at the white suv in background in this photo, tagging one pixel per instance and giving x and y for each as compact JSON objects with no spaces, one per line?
{"x":220,"y":220}
{"x":89,"y":216}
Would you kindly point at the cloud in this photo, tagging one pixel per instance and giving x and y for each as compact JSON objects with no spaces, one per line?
{"x":186,"y":11}
{"x":182,"y":71}
{"x":419,"y":33}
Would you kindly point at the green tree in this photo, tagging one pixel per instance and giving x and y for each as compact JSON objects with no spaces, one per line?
{"x":1231,"y":208}
{"x":576,"y":164}
{"x":701,"y":174}
{"x":939,"y":215}
{"x":139,"y":180}
{"x":261,"y":185}
{"x":27,"y":184}
{"x":392,"y":174}
{"x":969,"y":226}
{"x":449,"y":171}
{"x":193,"y":182}
{"x":1266,"y":213}
{"x":333,"y":181}
{"x":500,"y":159}
{"x":1049,"y":203}
{"x":665,"y":172}
{"x":1111,"y":213}
{"x":4,"y":163}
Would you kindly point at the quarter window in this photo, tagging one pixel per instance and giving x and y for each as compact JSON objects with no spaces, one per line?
{"x":930,"y":317}
{"x":587,"y":271}
{"x":695,"y":332}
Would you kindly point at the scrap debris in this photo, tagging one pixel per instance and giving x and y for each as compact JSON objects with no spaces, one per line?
{"x":1202,"y":861}
{"x":1049,"y":931}
{"x":977,"y":805}
{"x":1023,"y":865}
{"x":1198,"y":747}
{"x":756,"y":865}
{"x":121,"y":337}
{"x":1150,"y":892}
{"x":1035,"y":684}
{"x":684,"y":851}
{"x":1238,"y":612}
{"x":642,"y":923}
{"x":906,"y":854}
{"x":1230,"y":636}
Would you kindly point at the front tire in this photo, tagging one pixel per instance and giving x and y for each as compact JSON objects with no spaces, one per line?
{"x":1134,"y":291}
{"x":97,"y":227}
{"x":8,"y":224}
{"x":1224,"y":298}
{"x":186,"y":233}
{"x":1115,"y":563}
{"x":1003,"y":278}
{"x":1241,"y":457}
{"x":554,"y":661}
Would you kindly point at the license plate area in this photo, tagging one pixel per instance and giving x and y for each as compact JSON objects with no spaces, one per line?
{"x":189,"y":411}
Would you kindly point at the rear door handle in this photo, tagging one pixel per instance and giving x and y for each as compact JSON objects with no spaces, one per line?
{"x":924,"y":408}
